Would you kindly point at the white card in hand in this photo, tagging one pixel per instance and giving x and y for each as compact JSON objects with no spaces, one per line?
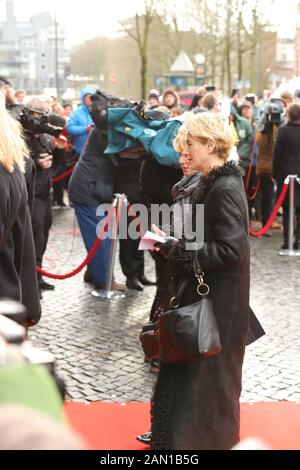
{"x":149,"y":239}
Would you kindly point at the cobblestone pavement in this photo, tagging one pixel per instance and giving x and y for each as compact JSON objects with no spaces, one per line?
{"x":96,"y":343}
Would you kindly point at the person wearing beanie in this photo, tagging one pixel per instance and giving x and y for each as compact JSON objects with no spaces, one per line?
{"x":153,"y":99}
{"x":170,"y":99}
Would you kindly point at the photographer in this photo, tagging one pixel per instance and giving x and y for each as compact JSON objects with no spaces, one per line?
{"x":92,"y":184}
{"x":41,"y":148}
{"x":17,"y":257}
{"x":268,"y":123}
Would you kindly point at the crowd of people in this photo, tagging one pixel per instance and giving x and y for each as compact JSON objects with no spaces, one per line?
{"x":222,"y":159}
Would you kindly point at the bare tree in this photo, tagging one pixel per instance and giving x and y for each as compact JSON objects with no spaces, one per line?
{"x":139,"y":32}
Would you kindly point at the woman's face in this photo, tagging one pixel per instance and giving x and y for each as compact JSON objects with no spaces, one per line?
{"x":184,"y":161}
{"x":169,"y":99}
{"x":199,"y":154}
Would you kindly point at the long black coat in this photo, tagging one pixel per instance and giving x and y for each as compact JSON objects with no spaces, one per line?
{"x":196,"y":405}
{"x":286,"y":157}
{"x":18,"y":278}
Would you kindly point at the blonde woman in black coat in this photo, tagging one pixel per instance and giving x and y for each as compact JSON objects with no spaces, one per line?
{"x":196,"y":404}
{"x":18,"y":278}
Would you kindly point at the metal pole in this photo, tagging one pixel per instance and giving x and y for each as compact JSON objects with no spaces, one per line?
{"x":290,"y":251}
{"x":113,"y":247}
{"x":291,"y":211}
{"x":108,"y":293}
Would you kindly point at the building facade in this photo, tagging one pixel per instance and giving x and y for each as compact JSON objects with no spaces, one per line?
{"x":33,"y":54}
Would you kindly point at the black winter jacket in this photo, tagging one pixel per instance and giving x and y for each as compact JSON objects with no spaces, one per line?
{"x":286,"y":158}
{"x":37,"y":145}
{"x":18,"y":278}
{"x":92,"y":181}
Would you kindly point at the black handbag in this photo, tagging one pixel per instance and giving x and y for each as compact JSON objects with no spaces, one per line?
{"x":190,"y":332}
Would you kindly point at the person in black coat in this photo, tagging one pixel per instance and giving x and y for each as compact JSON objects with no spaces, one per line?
{"x":18,"y":278}
{"x":195,"y":405}
{"x":41,"y":147}
{"x":286,"y":161}
{"x":127,"y":181}
{"x":92,"y":184}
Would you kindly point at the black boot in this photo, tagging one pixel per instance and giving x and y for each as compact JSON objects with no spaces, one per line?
{"x":134,"y":283}
{"x":43,"y":285}
{"x":145,"y":281}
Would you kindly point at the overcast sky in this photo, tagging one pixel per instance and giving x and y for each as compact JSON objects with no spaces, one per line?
{"x":89,"y":18}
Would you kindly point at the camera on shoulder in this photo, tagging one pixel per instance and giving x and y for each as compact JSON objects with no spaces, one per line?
{"x":271,"y":115}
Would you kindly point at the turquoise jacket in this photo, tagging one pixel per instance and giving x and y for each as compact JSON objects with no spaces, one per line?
{"x":127,"y":129}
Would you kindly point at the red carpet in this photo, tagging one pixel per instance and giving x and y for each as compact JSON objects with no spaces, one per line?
{"x":113,"y":426}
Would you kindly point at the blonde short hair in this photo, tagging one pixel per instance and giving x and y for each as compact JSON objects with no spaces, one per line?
{"x":211,"y":126}
{"x":179,"y":142}
{"x":13,"y":149}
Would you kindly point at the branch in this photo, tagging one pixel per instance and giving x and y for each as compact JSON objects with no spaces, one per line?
{"x":129,"y":32}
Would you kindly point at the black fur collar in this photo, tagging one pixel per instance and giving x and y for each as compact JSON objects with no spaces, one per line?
{"x":207,"y":181}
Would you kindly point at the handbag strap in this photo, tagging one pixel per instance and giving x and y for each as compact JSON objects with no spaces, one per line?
{"x":202,"y":288}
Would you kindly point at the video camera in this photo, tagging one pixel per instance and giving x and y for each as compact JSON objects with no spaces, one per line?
{"x":101,"y":101}
{"x":38,"y":122}
{"x":271,"y":114}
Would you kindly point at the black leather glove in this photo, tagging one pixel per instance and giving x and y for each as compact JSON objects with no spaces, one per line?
{"x":167,"y":247}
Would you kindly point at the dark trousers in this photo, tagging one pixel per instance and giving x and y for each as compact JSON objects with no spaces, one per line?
{"x":58,"y":192}
{"x":59,"y":167}
{"x":286,"y":220}
{"x":131,"y":259}
{"x":41,"y":223}
{"x":267,"y":198}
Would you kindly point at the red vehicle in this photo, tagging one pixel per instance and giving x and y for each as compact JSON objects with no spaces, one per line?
{"x":186,"y":97}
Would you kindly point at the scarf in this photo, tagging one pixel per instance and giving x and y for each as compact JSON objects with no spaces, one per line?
{"x":186,"y":186}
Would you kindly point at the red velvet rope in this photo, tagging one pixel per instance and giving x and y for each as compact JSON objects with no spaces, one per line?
{"x":273,"y":215}
{"x":257,"y":188}
{"x":89,"y":256}
{"x":63,"y":175}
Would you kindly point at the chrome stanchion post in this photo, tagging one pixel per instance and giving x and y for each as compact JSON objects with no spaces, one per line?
{"x":113,"y":248}
{"x":291,"y":211}
{"x":290,"y":251}
{"x":108,"y":293}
